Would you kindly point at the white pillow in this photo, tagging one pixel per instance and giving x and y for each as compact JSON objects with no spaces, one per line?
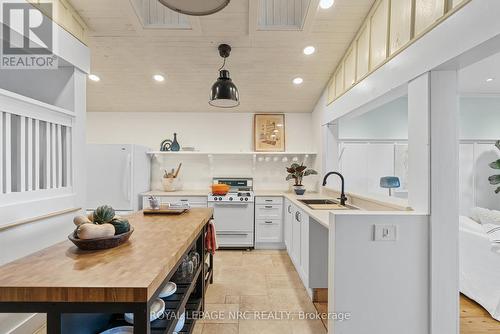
{"x":490,"y":219}
{"x":477,"y":212}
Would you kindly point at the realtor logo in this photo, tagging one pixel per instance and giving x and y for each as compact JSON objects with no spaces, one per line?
{"x":27,"y":36}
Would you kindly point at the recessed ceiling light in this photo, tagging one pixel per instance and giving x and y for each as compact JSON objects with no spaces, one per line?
{"x":325,"y":4}
{"x":309,"y":50}
{"x":298,"y":80}
{"x":158,"y":77}
{"x":94,"y":77}
{"x":490,"y":79}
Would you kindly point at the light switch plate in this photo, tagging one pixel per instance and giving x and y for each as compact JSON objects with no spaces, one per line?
{"x":385,"y":232}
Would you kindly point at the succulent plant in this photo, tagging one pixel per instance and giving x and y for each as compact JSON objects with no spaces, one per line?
{"x":297,"y":172}
{"x":103,"y":214}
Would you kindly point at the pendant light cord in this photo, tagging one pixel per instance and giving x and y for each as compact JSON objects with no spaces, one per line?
{"x":223,"y":64}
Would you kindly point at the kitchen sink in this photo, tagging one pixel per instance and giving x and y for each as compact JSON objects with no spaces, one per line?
{"x":326,"y":204}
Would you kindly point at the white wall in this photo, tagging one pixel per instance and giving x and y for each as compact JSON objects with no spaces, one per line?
{"x":389,"y":121}
{"x":20,"y":241}
{"x":382,"y":284}
{"x":480,"y":118}
{"x":479,"y":128}
{"x":207,"y":131}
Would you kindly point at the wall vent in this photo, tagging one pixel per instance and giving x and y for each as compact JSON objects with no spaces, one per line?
{"x":282,"y":14}
{"x":155,"y":15}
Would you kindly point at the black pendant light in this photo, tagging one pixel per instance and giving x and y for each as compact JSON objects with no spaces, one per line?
{"x":224,"y":93}
{"x":196,"y":7}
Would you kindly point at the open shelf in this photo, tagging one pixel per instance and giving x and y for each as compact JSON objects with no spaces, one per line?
{"x":181,"y":301}
{"x":251,"y":153}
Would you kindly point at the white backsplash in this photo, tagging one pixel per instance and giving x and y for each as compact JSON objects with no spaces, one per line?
{"x":197,"y":171}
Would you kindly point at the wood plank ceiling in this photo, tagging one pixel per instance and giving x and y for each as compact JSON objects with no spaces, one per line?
{"x":126,"y":52}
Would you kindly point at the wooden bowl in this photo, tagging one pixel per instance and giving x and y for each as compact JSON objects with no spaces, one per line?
{"x":101,"y":243}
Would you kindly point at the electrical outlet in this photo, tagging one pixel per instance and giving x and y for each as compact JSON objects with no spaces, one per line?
{"x":385,"y":232}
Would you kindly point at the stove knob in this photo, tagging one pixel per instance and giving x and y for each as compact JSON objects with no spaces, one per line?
{"x":246,"y":198}
{"x":230,"y":198}
{"x":215,"y":198}
{"x":241,"y":198}
{"x":220,"y":198}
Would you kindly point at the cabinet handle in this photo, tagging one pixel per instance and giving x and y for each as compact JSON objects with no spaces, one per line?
{"x":268,"y":222}
{"x":289,"y":209}
{"x":298,"y":216}
{"x":269,"y":200}
{"x":268,"y":206}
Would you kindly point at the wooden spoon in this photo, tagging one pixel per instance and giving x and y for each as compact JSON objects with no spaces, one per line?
{"x":177,"y":171}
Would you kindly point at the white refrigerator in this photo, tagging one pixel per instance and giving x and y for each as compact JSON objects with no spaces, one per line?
{"x":116,"y":175}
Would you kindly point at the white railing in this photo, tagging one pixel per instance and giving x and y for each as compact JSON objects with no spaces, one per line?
{"x":35,"y":149}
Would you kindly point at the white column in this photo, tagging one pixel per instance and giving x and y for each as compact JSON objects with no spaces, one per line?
{"x":433,"y":186}
{"x":444,"y":202}
{"x":419,"y":143}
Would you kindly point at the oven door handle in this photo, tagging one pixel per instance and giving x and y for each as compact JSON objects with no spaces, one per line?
{"x":231,"y":233}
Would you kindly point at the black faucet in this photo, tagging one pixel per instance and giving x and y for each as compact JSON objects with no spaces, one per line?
{"x":343,"y":197}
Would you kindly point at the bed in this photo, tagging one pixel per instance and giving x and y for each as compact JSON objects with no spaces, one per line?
{"x":479,"y":266}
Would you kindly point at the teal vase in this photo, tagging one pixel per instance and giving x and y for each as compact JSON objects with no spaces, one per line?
{"x":175,"y":144}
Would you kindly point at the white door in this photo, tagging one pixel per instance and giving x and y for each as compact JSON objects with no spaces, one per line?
{"x":296,"y":237}
{"x":109,"y":176}
{"x":304,"y":248}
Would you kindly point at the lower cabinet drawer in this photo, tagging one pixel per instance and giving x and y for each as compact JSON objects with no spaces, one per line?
{"x":234,"y":239}
{"x":268,"y":231}
{"x":273,"y":211}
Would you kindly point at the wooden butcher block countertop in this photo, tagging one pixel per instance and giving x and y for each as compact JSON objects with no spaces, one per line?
{"x":131,"y":272}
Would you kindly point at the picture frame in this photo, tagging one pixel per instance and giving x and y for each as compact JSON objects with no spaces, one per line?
{"x":269,"y":132}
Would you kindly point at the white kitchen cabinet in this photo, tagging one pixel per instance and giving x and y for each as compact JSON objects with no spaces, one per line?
{"x":269,"y":211}
{"x":304,"y":247}
{"x":295,"y":248}
{"x":378,"y":34}
{"x":363,"y":52}
{"x":400,"y":32}
{"x":287,"y":222}
{"x":427,"y":12}
{"x":307,"y":245}
{"x":268,"y":230}
{"x":350,"y":68}
{"x":269,"y":222}
{"x":266,"y":200}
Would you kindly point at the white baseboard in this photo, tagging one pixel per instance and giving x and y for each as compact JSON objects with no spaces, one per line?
{"x":269,"y":245}
{"x":30,"y":325}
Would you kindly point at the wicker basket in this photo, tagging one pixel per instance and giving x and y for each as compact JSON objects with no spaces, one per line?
{"x":101,"y":243}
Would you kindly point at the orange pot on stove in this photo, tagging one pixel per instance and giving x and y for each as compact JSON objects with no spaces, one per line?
{"x":220,"y":189}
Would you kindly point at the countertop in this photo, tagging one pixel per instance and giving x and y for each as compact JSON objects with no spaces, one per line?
{"x":365,"y":204}
{"x":131,"y":272}
{"x":321,"y":216}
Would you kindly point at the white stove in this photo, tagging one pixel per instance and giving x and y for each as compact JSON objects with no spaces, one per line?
{"x":234,"y":213}
{"x":237,"y":197}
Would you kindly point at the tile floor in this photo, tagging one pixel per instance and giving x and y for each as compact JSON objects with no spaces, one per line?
{"x":258,"y":281}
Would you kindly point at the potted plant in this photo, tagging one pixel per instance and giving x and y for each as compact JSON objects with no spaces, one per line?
{"x":297,"y":172}
{"x":495,"y":179}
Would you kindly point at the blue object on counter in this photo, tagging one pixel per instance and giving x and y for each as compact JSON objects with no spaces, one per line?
{"x":390,"y":182}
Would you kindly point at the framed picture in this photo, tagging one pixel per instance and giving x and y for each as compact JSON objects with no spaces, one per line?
{"x":269,"y":132}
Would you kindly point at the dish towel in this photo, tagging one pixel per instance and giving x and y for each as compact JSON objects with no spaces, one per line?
{"x":211,"y":237}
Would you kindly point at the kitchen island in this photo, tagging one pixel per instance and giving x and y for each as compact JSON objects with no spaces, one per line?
{"x":88,"y":291}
